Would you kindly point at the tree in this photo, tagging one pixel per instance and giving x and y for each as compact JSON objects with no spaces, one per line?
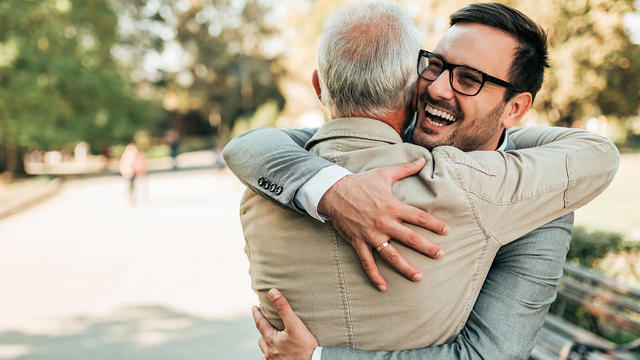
{"x":58,"y":82}
{"x":592,"y":60}
{"x":223,"y":71}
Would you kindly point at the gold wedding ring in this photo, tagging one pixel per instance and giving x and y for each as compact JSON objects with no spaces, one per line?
{"x":382,"y":246}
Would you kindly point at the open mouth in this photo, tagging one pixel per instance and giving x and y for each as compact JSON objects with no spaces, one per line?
{"x":439,"y":118}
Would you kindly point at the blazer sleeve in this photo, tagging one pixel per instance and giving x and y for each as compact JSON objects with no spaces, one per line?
{"x":517,"y":191}
{"x":273,"y":162}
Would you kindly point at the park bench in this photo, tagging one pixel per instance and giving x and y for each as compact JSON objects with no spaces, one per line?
{"x":608,"y":306}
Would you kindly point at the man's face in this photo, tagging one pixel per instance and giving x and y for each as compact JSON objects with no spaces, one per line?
{"x":470,"y":122}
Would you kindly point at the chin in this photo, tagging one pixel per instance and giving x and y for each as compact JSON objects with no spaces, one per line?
{"x":429,"y":138}
{"x":427,"y":141}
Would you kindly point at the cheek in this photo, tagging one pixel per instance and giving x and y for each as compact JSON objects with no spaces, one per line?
{"x":468,"y":110}
{"x":475,"y":108}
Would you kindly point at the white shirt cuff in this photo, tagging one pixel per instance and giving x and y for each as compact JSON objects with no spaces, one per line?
{"x":309,"y":194}
{"x":317,"y":353}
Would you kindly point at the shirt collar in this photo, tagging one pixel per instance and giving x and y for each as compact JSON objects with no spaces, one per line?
{"x":502,"y":146}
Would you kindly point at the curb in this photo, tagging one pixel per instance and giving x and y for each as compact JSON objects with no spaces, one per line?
{"x":52,"y":189}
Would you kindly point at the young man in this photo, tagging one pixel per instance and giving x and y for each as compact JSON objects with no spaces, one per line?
{"x":489,"y":198}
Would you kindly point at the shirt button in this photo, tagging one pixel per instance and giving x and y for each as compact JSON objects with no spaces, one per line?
{"x":260,"y":181}
{"x":266,"y":184}
{"x":279,"y":190}
{"x":273,"y":187}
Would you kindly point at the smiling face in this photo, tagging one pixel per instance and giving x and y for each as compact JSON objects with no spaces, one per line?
{"x":446,"y":117}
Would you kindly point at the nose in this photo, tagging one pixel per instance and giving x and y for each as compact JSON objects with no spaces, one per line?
{"x":440,"y":88}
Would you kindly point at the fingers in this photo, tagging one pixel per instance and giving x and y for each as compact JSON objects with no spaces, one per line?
{"x":398,"y":172}
{"x":400,"y":263}
{"x":399,"y":232}
{"x":263,"y":326}
{"x":413,"y":215}
{"x":366,"y":259}
{"x":284,"y":310}
{"x":262,"y":343}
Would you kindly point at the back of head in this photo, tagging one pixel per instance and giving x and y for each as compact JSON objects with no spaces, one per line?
{"x":531,"y":58}
{"x":367,"y":59}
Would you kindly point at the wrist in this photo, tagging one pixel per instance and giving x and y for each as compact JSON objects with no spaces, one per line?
{"x":309,"y":194}
{"x":326,"y":201}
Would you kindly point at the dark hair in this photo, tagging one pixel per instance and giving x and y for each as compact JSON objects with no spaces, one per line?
{"x":531,"y":58}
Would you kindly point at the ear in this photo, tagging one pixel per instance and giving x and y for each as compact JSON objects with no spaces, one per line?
{"x":516,"y":108}
{"x":316,"y":84}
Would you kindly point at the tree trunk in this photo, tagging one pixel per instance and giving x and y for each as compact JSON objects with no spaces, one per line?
{"x":13,"y":160}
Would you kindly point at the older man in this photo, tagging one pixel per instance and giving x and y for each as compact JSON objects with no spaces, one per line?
{"x":479,"y":81}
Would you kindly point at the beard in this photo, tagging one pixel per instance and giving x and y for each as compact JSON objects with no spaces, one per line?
{"x":468,"y":134}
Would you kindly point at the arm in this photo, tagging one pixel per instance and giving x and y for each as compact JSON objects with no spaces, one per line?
{"x":277,"y":156}
{"x":505,"y":320}
{"x":517,"y":191}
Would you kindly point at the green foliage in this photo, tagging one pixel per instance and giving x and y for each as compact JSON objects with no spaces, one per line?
{"x":225,"y":72}
{"x":265,"y":115}
{"x":158,"y":151}
{"x":58,"y":82}
{"x":587,"y":247}
{"x":592,"y":60}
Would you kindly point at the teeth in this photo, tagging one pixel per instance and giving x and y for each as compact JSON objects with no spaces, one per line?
{"x":435,"y":123}
{"x":437,"y":112}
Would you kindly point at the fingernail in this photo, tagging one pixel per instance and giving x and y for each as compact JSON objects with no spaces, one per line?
{"x":274,"y":294}
{"x":445,"y":229}
{"x":416,"y":277}
{"x":439,"y":254}
{"x":382,"y":287}
{"x":418,"y":161}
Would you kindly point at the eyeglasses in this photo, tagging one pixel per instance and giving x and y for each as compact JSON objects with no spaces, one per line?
{"x":463,"y":79}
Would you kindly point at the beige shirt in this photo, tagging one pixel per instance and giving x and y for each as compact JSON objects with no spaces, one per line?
{"x":488,"y":198}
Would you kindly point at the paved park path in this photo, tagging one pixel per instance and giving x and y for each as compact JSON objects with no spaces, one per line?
{"x":85,"y":275}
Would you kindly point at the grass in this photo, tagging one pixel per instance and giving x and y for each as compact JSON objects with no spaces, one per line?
{"x":616,"y":209}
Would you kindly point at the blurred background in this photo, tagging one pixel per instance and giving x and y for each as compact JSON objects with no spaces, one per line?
{"x":119,"y":228}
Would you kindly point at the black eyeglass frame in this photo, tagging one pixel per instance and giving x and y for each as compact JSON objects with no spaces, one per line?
{"x":449,"y":66}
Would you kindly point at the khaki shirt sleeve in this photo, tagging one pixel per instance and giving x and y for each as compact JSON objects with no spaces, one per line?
{"x":515,"y":192}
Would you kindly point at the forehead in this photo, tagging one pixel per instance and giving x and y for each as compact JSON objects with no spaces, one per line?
{"x":480,"y":46}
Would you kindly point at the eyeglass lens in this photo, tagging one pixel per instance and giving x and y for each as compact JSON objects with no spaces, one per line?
{"x":465,"y":80}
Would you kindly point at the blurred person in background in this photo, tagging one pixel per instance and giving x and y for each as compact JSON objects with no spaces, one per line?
{"x":133,"y":167}
{"x":173,"y":138}
{"x":479,"y":81}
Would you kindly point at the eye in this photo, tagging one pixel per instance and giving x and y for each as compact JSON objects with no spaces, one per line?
{"x":471,"y":78}
{"x":467,"y":77}
{"x":434,"y":65}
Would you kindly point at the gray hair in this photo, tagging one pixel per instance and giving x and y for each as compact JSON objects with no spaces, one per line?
{"x":367,"y":59}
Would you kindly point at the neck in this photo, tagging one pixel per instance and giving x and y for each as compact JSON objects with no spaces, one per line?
{"x":398,"y":119}
{"x":494,"y":143}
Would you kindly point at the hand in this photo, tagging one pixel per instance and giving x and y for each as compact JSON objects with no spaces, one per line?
{"x":365,"y":212}
{"x":295,"y":342}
